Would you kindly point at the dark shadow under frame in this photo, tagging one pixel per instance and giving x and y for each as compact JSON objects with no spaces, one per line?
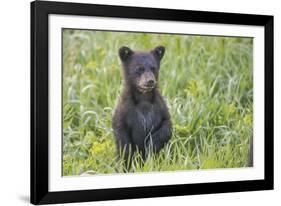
{"x":40,"y":112}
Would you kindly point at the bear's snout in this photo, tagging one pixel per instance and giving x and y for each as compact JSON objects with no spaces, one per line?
{"x":150,"y":83}
{"x":147,"y":81}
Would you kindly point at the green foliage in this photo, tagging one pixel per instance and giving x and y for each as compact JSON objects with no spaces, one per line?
{"x":207,"y":82}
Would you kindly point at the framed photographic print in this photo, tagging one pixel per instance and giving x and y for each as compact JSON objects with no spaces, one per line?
{"x":131,"y":102}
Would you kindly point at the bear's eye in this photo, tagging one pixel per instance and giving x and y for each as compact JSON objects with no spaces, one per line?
{"x":152,"y":68}
{"x":140,"y":69}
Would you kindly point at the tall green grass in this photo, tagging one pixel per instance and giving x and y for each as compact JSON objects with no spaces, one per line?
{"x":208,"y":85}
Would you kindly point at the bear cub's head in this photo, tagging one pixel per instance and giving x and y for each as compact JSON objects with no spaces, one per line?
{"x":141,"y":68}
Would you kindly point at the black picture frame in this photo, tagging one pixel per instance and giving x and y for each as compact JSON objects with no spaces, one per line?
{"x":40,"y":100}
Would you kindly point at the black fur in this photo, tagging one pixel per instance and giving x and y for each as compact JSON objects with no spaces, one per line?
{"x":141,"y":120}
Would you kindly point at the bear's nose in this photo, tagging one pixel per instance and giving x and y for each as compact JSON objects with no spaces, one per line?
{"x":150,"y":83}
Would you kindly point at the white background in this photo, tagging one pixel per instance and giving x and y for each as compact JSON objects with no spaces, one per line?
{"x":59,"y":183}
{"x":14,"y":102}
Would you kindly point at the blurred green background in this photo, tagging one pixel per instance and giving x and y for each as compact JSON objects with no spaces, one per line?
{"x":207,"y":82}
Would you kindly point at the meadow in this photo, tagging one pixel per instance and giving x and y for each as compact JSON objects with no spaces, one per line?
{"x":207,"y":82}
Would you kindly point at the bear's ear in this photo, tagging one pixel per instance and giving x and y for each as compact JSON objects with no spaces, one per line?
{"x":125,"y":53}
{"x":158,"y":52}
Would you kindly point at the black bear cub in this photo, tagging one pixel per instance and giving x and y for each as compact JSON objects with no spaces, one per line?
{"x":141,"y":120}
